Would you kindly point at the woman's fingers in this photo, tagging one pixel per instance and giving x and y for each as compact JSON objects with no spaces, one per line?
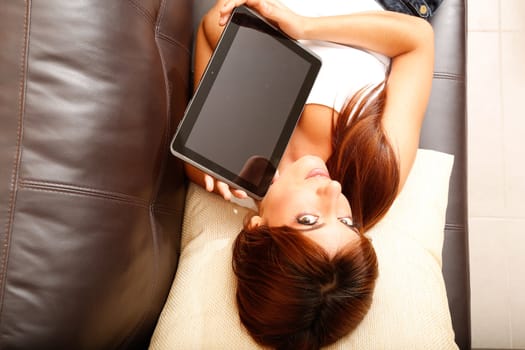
{"x":209,"y":182}
{"x":226,"y":10}
{"x":212,"y":185}
{"x":264,"y":7}
{"x":272,"y":10}
{"x":239,"y":193}
{"x":224,"y":190}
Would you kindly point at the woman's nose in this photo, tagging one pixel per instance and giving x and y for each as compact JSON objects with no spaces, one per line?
{"x":331,"y":192}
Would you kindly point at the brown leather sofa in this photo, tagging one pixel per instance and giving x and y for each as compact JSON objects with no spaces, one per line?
{"x":445,"y":130}
{"x":91,"y":201}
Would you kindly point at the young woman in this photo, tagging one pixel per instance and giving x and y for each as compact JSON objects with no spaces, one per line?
{"x":305,"y":270}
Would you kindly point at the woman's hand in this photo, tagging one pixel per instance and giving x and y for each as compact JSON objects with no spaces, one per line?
{"x":289,"y":22}
{"x":213,"y":185}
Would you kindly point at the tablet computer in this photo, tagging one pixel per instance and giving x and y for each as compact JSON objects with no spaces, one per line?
{"x":247,"y":104}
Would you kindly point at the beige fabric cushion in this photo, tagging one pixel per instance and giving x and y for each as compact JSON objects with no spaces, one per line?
{"x":409,"y":310}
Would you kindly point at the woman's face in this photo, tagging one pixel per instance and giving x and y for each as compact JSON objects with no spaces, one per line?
{"x":304,"y":197}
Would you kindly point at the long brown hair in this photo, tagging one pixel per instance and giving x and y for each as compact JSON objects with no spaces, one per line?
{"x":363,"y":160}
{"x":292,"y":295}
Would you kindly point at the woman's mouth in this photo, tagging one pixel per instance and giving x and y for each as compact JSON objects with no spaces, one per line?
{"x":318,"y":172}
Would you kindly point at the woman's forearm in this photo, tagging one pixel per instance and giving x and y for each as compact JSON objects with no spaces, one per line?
{"x":389,"y":33}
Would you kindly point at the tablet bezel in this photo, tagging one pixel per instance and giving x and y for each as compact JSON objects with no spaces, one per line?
{"x":242,"y":16}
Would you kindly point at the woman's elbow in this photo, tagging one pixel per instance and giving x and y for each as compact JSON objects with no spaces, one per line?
{"x":425,"y":32}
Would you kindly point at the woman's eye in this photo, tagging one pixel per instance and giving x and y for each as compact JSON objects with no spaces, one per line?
{"x":307,"y":219}
{"x":347,"y":221}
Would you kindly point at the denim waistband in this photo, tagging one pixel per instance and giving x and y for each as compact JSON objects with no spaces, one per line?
{"x":422,"y":8}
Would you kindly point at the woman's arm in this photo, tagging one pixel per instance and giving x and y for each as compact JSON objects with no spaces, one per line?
{"x":208,"y":35}
{"x":408,"y":40}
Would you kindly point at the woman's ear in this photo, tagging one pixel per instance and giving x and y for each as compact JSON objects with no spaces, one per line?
{"x":255,"y":221}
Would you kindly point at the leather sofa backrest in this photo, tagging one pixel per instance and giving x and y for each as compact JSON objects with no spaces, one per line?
{"x":445,"y":130}
{"x":91,"y":201}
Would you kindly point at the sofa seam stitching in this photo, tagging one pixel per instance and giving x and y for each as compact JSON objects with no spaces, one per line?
{"x":143,"y":11}
{"x":69,"y":189}
{"x":145,"y":315}
{"x":449,"y":76}
{"x":16,"y":161}
{"x":454,"y":226}
{"x":162,"y":166}
{"x":173,"y":41}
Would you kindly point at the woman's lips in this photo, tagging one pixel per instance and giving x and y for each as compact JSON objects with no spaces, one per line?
{"x":318,"y":172}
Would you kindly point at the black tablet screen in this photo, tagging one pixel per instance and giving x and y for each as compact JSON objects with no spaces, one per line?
{"x":251,"y":95}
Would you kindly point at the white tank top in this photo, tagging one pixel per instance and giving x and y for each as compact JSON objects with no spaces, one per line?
{"x":345,"y":70}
